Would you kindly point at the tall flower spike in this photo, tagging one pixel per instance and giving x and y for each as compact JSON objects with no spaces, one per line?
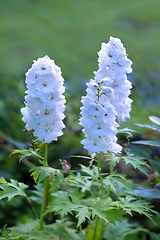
{"x":113,"y":63}
{"x":44,"y":100}
{"x":107,"y":98}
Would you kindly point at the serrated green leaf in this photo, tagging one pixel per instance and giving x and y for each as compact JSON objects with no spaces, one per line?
{"x":45,"y":233}
{"x":155,"y":119}
{"x":109,"y":181}
{"x":23,"y":228}
{"x":91,"y":171}
{"x":62,"y":204}
{"x":42,"y":172}
{"x":2,"y":181}
{"x":82,"y":214}
{"x":122,"y":230}
{"x":64,"y":231}
{"x":107,"y":211}
{"x":114,"y":178}
{"x":148,"y":142}
{"x":113,"y":160}
{"x":26,"y":153}
{"x":136,"y":162}
{"x":80,"y":182}
{"x":12,"y":189}
{"x":129,"y":204}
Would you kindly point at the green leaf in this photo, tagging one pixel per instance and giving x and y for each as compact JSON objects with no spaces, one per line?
{"x":64,"y":230}
{"x":149,"y":126}
{"x":26,"y":153}
{"x":147,"y":142}
{"x":91,"y":158}
{"x":42,"y":172}
{"x":122,"y":230}
{"x":91,"y":171}
{"x":45,"y":233}
{"x":155,"y":119}
{"x":80,"y":182}
{"x":85,"y":157}
{"x":62,"y":204}
{"x":82,"y":214}
{"x":136,"y":162}
{"x":154,"y":236}
{"x":154,"y":164}
{"x":153,"y":193}
{"x":106,"y":211}
{"x":129,"y":204}
{"x":38,"y":193}
{"x":28,"y":226}
{"x":127,"y":131}
{"x":11,"y":189}
{"x":113,"y":160}
{"x":113,"y":179}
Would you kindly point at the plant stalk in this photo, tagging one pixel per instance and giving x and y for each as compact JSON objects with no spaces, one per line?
{"x":31,"y":207}
{"x":100,"y":237}
{"x":99,"y":172}
{"x":46,"y":188}
{"x":95,"y":229}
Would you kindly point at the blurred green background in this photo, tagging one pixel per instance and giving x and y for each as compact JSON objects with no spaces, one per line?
{"x":71,"y":32}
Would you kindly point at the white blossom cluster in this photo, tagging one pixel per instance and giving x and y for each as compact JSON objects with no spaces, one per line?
{"x":44,"y":100}
{"x":114,"y":65}
{"x":106,"y":99}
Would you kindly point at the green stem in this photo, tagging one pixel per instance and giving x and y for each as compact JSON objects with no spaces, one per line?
{"x":50,"y":214}
{"x":100,"y":237}
{"x":31,"y":206}
{"x":46,"y":188}
{"x":46,"y":154}
{"x":95,"y":229}
{"x":81,"y":232}
{"x":99,"y":172}
{"x":101,"y":194}
{"x":108,"y":192}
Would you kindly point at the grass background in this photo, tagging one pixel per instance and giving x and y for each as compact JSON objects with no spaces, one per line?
{"x":71,"y":32}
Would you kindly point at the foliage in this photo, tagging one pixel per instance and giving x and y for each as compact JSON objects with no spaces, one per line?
{"x":78,"y":197}
{"x":147,"y":192}
{"x":11,"y":189}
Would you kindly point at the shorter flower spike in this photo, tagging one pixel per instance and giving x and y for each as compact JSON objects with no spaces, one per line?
{"x":44,"y":100}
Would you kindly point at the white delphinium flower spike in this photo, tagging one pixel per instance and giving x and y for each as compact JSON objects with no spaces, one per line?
{"x":98,"y":119}
{"x":107,"y":98}
{"x":44,"y":101}
{"x":113,"y":63}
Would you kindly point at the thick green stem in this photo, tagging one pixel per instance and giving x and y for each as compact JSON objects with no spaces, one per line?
{"x":99,"y":172}
{"x":101,"y":194}
{"x":95,"y":229}
{"x":103,"y":227}
{"x":46,"y":188}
